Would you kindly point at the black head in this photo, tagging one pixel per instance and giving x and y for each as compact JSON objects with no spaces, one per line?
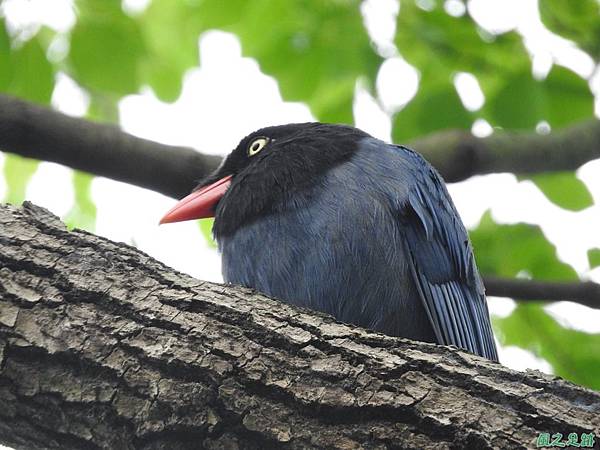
{"x":271,"y":164}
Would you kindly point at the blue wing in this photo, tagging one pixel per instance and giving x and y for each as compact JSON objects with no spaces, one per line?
{"x":442,"y":264}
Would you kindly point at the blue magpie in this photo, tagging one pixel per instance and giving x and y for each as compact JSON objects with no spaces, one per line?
{"x":327,"y":217}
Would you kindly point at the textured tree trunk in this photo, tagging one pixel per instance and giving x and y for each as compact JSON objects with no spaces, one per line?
{"x":103,"y":347}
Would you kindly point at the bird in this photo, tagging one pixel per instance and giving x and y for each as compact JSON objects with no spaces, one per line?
{"x":328,"y":217}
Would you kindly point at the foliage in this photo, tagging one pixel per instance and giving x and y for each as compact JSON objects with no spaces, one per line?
{"x":24,"y":70}
{"x":572,"y":354}
{"x":17,"y":173}
{"x":564,"y":189}
{"x":521,"y":249}
{"x":206,"y":226}
{"x":578,"y":21}
{"x":594,"y":257}
{"x":317,"y":50}
{"x":104,"y":33}
{"x":83,"y":213}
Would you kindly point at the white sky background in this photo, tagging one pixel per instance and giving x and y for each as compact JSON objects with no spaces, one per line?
{"x":229,"y":97}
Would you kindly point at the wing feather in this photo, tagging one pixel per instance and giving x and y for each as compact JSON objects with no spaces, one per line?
{"x":442,"y":264}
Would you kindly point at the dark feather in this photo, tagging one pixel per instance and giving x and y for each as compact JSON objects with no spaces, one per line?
{"x":332,"y":219}
{"x":443,"y":266}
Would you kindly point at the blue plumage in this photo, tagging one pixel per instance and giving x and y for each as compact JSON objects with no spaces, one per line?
{"x":327,"y":217}
{"x":374,"y":240}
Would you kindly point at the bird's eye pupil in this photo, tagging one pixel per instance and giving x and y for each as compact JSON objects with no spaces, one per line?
{"x":255,"y":146}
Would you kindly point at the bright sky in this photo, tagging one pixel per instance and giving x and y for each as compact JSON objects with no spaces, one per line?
{"x":228,"y":97}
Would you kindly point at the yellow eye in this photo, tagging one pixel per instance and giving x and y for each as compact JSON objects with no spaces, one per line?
{"x":257,"y":145}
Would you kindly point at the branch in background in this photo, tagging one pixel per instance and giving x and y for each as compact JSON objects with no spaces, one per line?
{"x":41,"y":133}
{"x":585,"y":293}
{"x":37,"y":132}
{"x":104,"y":347}
{"x":459,"y":155}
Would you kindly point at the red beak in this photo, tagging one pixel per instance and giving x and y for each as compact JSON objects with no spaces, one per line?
{"x":199,"y":204}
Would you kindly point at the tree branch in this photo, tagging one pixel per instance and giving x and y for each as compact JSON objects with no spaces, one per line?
{"x":585,"y":293}
{"x":38,"y":132}
{"x":104,"y":347}
{"x":458,"y":155}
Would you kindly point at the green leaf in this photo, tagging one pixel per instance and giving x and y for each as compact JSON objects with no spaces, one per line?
{"x":576,"y":20}
{"x":83,"y":213}
{"x":439,"y":46}
{"x":107,"y":48}
{"x":314,"y":49}
{"x":32,"y":75}
{"x":507,"y":250}
{"x":17,"y":173}
{"x":5,"y":63}
{"x":518,"y":104}
{"x":574,"y":355}
{"x":431,"y":110}
{"x":564,"y":189}
{"x":568,"y":98}
{"x":165,"y":80}
{"x":333,"y":100}
{"x":310,"y":50}
{"x":594,"y":257}
{"x":102,"y":108}
{"x":206,"y":226}
{"x":171,"y":49}
{"x":522,"y":102}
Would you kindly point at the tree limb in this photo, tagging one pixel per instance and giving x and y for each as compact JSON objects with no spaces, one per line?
{"x":585,"y":293}
{"x":458,"y":155}
{"x":37,"y":132}
{"x":104,"y":347}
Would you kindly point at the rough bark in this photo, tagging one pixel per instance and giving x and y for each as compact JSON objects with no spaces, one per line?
{"x":103,"y":347}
